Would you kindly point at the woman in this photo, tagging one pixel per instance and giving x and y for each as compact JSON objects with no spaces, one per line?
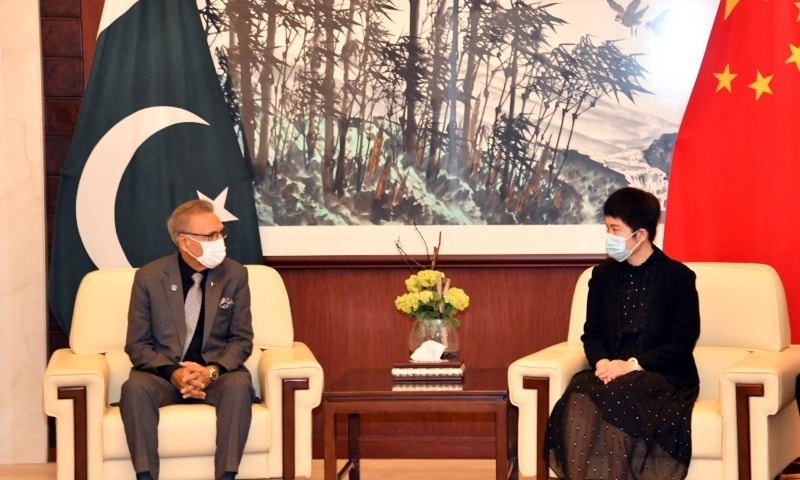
{"x":629,"y":416}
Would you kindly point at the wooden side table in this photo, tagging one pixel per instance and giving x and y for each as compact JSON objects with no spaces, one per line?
{"x":374,"y":390}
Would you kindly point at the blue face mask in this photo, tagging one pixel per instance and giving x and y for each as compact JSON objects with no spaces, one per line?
{"x":615,"y":247}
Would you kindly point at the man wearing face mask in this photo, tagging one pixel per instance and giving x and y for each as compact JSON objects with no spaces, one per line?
{"x":629,"y":415}
{"x":189,"y":333}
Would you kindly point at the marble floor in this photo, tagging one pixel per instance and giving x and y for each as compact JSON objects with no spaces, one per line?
{"x":370,"y":469}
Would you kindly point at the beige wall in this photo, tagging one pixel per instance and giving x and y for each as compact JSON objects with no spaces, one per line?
{"x":23,"y":425}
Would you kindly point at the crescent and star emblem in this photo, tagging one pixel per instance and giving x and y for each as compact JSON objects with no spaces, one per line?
{"x":99,"y":182}
{"x":97,"y":189}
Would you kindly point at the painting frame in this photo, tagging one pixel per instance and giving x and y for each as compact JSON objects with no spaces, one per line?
{"x":456,"y":240}
{"x":614,"y":143}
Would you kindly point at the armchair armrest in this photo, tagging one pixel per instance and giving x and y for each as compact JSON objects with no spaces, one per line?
{"x":557,"y":363}
{"x":535,"y":383}
{"x":776,"y":371}
{"x":75,"y":391}
{"x":291,"y":386}
{"x":752,"y":390}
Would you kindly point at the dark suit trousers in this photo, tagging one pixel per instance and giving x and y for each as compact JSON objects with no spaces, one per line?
{"x":142,"y":395}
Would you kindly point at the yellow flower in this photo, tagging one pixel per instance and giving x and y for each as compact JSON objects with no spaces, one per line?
{"x":428,"y":278}
{"x":457,"y":298}
{"x":406,"y":303}
{"x":429,"y":297}
{"x":425,"y":296}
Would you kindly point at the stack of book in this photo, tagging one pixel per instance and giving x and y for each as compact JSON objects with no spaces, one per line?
{"x":407,"y":386}
{"x":444,"y":371}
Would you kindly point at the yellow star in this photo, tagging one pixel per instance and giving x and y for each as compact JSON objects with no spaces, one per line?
{"x":761,"y":85}
{"x":729,"y":6}
{"x":725,"y":78}
{"x":797,"y":4}
{"x":795,"y":58}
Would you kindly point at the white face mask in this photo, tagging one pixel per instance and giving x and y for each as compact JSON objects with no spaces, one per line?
{"x":615,"y":247}
{"x":213,"y":252}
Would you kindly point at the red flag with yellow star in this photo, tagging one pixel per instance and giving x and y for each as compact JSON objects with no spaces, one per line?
{"x":734,"y":187}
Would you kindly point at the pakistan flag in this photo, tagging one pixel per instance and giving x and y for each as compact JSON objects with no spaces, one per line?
{"x":153,"y":132}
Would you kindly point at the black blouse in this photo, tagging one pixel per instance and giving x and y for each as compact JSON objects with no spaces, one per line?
{"x":636,"y":287}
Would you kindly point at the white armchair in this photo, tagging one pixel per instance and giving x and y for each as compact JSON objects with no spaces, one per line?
{"x":82,"y":386}
{"x":745,"y":423}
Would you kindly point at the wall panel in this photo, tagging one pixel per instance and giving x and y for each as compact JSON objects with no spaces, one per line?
{"x":347,"y":316}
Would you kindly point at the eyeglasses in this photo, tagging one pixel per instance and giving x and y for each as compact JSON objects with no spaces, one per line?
{"x":209,"y":237}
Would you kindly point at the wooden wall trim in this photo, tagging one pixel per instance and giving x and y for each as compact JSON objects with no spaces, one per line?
{"x":450,"y":261}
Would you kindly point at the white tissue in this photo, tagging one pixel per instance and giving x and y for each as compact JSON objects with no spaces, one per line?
{"x":429,"y":351}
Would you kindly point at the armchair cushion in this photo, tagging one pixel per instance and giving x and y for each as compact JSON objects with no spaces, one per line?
{"x":183,"y":432}
{"x":744,"y":424}
{"x":93,"y":369}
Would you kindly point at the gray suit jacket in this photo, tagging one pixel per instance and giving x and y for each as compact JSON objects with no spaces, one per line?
{"x":156,"y":324}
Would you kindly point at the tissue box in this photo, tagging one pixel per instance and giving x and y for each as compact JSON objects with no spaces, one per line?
{"x":444,"y":371}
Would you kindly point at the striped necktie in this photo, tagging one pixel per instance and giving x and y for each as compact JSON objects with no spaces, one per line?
{"x":191,"y":309}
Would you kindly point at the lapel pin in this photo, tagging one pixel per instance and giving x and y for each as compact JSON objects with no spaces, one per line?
{"x":173,"y":287}
{"x":212,"y":283}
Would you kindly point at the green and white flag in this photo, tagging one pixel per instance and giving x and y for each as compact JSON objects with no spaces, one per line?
{"x":153,"y":132}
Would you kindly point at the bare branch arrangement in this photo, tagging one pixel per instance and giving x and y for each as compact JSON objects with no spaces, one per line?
{"x":409,"y":260}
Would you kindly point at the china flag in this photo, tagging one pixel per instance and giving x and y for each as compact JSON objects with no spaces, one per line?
{"x":734,"y":187}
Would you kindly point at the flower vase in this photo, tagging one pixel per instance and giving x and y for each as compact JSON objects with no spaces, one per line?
{"x":438,"y":331}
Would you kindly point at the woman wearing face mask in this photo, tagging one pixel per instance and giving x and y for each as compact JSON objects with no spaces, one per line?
{"x":629,"y":415}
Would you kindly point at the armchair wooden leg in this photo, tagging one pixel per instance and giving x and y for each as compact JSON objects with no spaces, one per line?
{"x":290,"y":385}
{"x":743,"y":393}
{"x":542,"y":387}
{"x":78,"y":397}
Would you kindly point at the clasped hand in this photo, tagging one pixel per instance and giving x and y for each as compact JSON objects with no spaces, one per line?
{"x":607,"y":370}
{"x":191,"y":379}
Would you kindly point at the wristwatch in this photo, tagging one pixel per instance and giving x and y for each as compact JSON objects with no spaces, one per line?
{"x":213,"y":372}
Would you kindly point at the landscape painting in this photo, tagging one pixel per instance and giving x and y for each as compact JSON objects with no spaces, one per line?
{"x":499,"y":123}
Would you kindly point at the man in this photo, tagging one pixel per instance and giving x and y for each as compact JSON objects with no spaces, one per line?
{"x":188,"y":339}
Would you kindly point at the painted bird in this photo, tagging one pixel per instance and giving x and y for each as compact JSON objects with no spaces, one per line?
{"x":630,"y":16}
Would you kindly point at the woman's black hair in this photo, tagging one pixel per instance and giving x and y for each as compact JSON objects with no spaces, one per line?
{"x":636,"y":208}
